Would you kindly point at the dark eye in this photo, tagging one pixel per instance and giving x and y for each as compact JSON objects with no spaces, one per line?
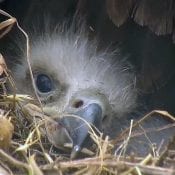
{"x":44,"y":83}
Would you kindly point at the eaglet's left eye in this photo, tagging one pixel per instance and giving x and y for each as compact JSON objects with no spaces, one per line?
{"x":44,"y":83}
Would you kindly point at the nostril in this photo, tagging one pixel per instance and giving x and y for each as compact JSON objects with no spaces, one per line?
{"x":78,"y":103}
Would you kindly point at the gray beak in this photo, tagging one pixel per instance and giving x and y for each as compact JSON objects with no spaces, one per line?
{"x":78,"y":129}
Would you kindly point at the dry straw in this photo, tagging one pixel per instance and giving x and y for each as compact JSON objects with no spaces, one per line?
{"x":30,"y":152}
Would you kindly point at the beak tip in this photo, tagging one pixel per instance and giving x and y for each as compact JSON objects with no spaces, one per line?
{"x":75,"y":150}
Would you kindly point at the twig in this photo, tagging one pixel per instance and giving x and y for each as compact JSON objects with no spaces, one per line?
{"x":27,"y":51}
{"x":14,"y":162}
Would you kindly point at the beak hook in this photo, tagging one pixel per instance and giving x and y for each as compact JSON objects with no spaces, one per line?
{"x":79,"y":130}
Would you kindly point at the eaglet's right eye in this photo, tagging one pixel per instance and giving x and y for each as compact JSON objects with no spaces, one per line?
{"x":44,"y":83}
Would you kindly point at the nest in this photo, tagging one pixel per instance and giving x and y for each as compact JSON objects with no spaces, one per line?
{"x":25,"y":149}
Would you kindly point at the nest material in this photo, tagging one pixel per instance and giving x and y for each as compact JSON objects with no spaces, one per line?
{"x":29,"y":151}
